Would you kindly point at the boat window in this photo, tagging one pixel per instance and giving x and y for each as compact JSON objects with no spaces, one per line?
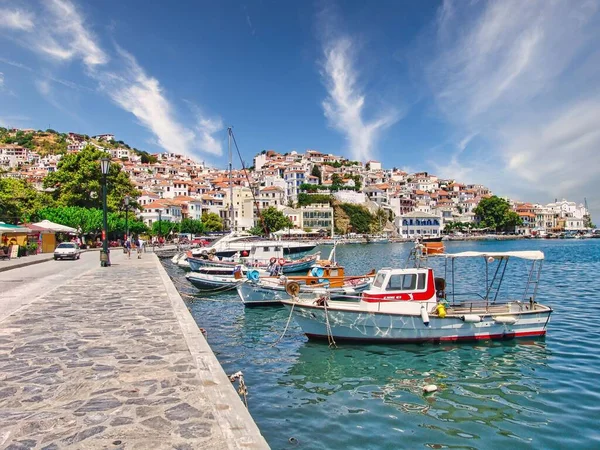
{"x":266,"y":249}
{"x":379,"y":280}
{"x":421,"y":281}
{"x":333,"y":273}
{"x":400,"y":282}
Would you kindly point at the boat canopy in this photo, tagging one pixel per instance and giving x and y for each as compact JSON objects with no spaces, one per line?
{"x":529,"y":254}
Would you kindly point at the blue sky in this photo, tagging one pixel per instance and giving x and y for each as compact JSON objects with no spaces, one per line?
{"x":503,"y":93}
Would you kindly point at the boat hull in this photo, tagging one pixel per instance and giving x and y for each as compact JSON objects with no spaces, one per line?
{"x":255,"y":294}
{"x":402,"y":328}
{"x":196,"y":264}
{"x":212,"y":282}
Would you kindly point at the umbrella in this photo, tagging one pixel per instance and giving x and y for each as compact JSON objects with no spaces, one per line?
{"x":55,"y":227}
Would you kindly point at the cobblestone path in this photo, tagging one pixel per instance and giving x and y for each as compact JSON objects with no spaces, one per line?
{"x":102,"y":362}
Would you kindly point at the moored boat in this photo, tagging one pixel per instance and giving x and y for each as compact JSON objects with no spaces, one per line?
{"x":318,"y":281}
{"x":412,"y":305}
{"x":218,"y":279}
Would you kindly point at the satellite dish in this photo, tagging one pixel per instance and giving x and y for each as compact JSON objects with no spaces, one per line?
{"x":292,"y":288}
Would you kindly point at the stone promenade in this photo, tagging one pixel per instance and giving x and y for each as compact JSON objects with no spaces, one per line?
{"x":113,"y":360}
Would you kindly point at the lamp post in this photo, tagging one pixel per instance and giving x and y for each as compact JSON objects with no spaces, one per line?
{"x":159,"y":224}
{"x":104,"y":260}
{"x":126,"y":200}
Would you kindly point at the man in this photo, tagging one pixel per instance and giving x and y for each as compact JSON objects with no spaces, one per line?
{"x":128,"y":248}
{"x":140,"y":247}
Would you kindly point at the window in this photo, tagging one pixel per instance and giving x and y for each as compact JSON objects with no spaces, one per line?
{"x":379,"y":280}
{"x":421,"y":282}
{"x":401,"y":282}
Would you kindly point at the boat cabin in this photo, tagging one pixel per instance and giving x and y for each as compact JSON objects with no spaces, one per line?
{"x":332,"y":277}
{"x":416,"y":284}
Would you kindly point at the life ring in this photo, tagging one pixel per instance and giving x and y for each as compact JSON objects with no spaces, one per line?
{"x":317,"y":272}
{"x":253,"y":275}
{"x":281,"y":261}
{"x":272,"y":260}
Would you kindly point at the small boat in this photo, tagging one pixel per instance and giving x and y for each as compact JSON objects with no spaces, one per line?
{"x":412,"y":305}
{"x":181,"y":260}
{"x":318,"y":281}
{"x":258,"y":257}
{"x":218,"y":279}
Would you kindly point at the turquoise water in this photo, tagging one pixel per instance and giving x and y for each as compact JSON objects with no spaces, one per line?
{"x":517,"y":394}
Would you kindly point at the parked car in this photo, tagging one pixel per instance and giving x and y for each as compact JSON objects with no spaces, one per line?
{"x":67,"y":250}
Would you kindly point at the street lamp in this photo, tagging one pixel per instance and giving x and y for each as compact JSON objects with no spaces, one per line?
{"x":126,"y":200}
{"x":104,"y":260}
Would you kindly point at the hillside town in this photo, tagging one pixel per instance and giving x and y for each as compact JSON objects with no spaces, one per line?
{"x":303,"y":186}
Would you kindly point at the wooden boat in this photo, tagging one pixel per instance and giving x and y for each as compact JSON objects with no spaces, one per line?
{"x":319,"y":280}
{"x":412,"y":305}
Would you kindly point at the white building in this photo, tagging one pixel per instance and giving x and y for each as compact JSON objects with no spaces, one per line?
{"x":418,"y":224}
{"x":357,"y":198}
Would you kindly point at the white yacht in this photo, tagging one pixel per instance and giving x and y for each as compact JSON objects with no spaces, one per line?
{"x":238,"y":242}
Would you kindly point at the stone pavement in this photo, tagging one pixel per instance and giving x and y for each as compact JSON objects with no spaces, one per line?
{"x":15,"y":263}
{"x":113,"y":360}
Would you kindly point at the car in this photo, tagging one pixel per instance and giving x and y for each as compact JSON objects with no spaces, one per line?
{"x":67,"y":250}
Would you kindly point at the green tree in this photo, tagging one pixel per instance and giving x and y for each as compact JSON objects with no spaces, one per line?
{"x":78,"y":181}
{"x":192,"y":226}
{"x":308,"y":199}
{"x":274,"y":220}
{"x":19,"y":201}
{"x":212,"y":222}
{"x":494,"y":212}
{"x":361,"y":220}
{"x":316,"y":172}
{"x":357,"y":182}
{"x":164,"y":228}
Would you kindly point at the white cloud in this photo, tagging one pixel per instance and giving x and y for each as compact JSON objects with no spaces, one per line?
{"x":63,"y":34}
{"x":344,"y":107}
{"x":1,"y":80}
{"x":16,"y":19}
{"x":522,"y":77}
{"x":134,"y":91}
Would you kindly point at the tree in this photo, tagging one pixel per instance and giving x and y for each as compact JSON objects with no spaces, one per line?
{"x":78,"y":181}
{"x":192,"y":226}
{"x":494,"y":212}
{"x":357,"y":182}
{"x":164,"y":228}
{"x":316,"y":172}
{"x":336,"y":182}
{"x":19,"y":201}
{"x":212,"y":222}
{"x":274,"y":220}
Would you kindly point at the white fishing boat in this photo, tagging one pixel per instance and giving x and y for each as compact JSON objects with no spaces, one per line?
{"x":412,"y":305}
{"x":218,"y":279}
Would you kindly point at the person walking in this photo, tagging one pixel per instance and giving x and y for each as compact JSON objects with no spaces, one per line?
{"x":140,"y":247}
{"x":128,"y":248}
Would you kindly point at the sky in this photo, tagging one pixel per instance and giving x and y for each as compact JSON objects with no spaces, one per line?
{"x":504,"y":93}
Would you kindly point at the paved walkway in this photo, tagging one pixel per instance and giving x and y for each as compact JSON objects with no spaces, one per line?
{"x":113,"y":360}
{"x":9,"y":264}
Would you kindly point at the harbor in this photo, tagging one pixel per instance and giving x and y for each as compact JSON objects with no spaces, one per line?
{"x":110,"y":358}
{"x":491,"y":394}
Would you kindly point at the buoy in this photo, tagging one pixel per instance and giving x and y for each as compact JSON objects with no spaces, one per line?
{"x":471,"y":318}
{"x":441,"y":310}
{"x":429,"y":388}
{"x":424,"y":315}
{"x":253,"y":275}
{"x":508,"y":320}
{"x":281,"y":261}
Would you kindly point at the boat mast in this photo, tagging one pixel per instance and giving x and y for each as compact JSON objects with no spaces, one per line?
{"x":231,"y":223}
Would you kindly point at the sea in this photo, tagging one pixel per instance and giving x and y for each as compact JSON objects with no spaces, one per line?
{"x":521,"y":394}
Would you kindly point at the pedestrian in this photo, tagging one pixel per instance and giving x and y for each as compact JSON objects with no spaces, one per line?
{"x":128,"y":248}
{"x":139,"y":248}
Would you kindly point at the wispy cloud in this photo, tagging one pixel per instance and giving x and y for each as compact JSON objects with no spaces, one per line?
{"x":344,"y":106}
{"x":134,"y":91}
{"x":16,"y":19}
{"x":522,"y":77}
{"x":62,"y":34}
{"x":1,"y":80}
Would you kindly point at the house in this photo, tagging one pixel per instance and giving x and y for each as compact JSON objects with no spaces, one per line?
{"x":105,"y":137}
{"x":418,"y":224}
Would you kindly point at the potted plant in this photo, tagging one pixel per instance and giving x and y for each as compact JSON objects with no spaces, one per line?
{"x":32,"y":248}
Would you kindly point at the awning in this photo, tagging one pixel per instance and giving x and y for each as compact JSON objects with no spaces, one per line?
{"x":6,"y":228}
{"x":530,"y":254}
{"x":46,"y":224}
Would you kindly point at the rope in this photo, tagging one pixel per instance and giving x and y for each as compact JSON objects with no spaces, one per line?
{"x":329,"y":332}
{"x":242,"y":388}
{"x":286,"y":325}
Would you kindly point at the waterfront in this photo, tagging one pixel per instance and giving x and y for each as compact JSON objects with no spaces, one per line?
{"x":523,"y":394}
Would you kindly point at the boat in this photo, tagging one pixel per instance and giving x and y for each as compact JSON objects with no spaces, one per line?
{"x":377,"y":240}
{"x":218,"y":279}
{"x":258,"y":257}
{"x":413,"y":305}
{"x":330,"y":280}
{"x":238,"y":242}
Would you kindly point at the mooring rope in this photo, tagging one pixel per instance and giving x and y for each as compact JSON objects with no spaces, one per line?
{"x":242,"y":388}
{"x":280,"y":338}
{"x":329,"y":332}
